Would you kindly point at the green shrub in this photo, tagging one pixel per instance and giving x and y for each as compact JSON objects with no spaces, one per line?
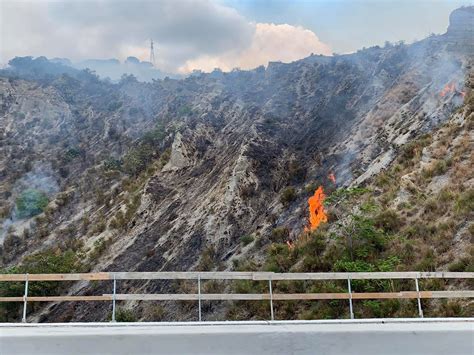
{"x":137,"y":159}
{"x":31,"y":202}
{"x":111,"y":164}
{"x":465,"y":201}
{"x":49,"y":261}
{"x":287,"y":196}
{"x":100,"y":245}
{"x":459,"y":265}
{"x":154,"y":137}
{"x":280,"y":258}
{"x":428,"y":263}
{"x":71,"y":154}
{"x":246,"y":239}
{"x":125,"y":315}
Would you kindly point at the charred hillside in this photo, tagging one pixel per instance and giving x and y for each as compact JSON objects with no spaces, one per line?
{"x":172,"y":174}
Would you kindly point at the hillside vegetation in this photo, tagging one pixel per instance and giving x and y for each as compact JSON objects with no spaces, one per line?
{"x":214,"y":172}
{"x":416,"y":215}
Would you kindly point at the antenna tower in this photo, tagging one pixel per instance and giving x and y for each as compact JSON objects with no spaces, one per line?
{"x":152,"y":53}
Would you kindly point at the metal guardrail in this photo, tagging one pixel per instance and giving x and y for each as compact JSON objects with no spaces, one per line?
{"x":255,"y":276}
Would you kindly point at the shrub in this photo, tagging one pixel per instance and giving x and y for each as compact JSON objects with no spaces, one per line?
{"x":125,"y":315}
{"x":48,"y":261}
{"x":165,"y":157}
{"x":208,"y":259}
{"x":71,"y":154}
{"x":154,"y":137}
{"x":156,"y":313}
{"x":119,"y":221}
{"x":280,"y":258}
{"x":112,"y":164}
{"x":465,"y":201}
{"x":459,"y":265}
{"x":137,"y":159}
{"x":413,"y":149}
{"x":30,"y":203}
{"x":428,"y":263}
{"x":100,"y":226}
{"x":100,"y":245}
{"x":247,"y":239}
{"x":388,"y":220}
{"x":438,"y":168}
{"x":288,"y":195}
{"x":296,"y":172}
{"x":280,"y":235}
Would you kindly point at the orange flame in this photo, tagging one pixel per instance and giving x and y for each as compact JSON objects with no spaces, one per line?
{"x":450,"y":87}
{"x":317,"y":214}
{"x":332,"y":177}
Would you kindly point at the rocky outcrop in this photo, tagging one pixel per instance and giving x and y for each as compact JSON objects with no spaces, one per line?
{"x":461,"y":24}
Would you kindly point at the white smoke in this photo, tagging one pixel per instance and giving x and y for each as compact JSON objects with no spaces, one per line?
{"x":41,"y":178}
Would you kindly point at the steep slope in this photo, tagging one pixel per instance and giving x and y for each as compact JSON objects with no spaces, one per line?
{"x":416,"y":214}
{"x":170,"y":175}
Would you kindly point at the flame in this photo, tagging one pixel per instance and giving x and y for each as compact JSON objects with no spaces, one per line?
{"x":450,"y":87}
{"x":317,"y":214}
{"x":332,"y":177}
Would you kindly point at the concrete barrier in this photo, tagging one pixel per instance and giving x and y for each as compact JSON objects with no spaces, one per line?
{"x":389,"y":336}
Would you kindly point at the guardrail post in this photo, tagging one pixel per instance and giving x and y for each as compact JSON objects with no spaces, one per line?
{"x":25,"y":300}
{"x":199,"y":295}
{"x":271,"y":297}
{"x":113,"y":299}
{"x":351,"y":310}
{"x":420,"y":310}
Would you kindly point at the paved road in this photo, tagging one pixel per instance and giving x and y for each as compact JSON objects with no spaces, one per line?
{"x":400,"y":337}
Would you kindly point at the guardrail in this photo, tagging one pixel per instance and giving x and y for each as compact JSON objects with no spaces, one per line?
{"x":255,"y":276}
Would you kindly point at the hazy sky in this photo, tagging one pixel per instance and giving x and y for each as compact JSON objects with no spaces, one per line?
{"x":203,"y":34}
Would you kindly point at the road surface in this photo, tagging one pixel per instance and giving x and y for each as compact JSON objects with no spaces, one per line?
{"x":400,"y":337}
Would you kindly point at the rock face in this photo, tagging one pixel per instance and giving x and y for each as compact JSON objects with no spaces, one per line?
{"x":461,"y":23}
{"x":461,"y":28}
{"x":235,"y":141}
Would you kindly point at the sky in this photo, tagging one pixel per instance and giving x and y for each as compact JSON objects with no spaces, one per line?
{"x":206,"y":34}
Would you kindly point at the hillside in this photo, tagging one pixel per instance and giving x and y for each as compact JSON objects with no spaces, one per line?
{"x":206,"y":172}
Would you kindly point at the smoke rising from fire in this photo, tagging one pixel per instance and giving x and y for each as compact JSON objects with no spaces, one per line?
{"x":40,"y":178}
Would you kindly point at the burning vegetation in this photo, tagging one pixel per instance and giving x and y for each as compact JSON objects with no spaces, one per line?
{"x":450,"y":88}
{"x":317,"y":214}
